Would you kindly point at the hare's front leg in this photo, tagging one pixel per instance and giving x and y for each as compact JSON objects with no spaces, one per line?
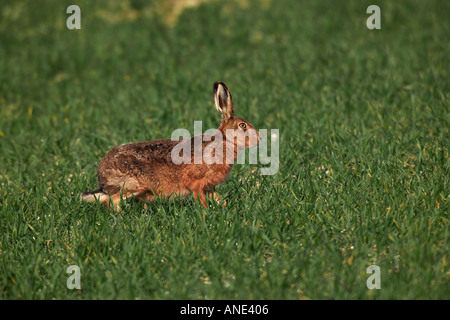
{"x":200,"y":196}
{"x":216,"y":197}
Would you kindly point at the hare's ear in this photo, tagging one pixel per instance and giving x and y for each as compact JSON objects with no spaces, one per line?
{"x":223,"y":101}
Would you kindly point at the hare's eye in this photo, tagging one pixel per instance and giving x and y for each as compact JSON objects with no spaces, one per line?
{"x":242,"y":125}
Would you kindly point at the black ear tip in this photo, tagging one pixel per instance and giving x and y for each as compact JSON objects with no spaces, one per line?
{"x":216,"y":86}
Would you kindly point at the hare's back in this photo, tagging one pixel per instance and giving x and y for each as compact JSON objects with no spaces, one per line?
{"x":140,"y":162}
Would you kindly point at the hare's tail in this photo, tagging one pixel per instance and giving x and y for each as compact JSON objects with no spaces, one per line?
{"x":93,"y":196}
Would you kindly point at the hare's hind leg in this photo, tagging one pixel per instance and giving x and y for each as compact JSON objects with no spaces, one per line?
{"x":117,"y":197}
{"x":93,"y":196}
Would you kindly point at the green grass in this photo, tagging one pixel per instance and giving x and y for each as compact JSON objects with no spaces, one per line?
{"x":364,"y":149}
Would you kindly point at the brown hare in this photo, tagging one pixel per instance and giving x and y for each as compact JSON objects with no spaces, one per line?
{"x":146,"y":170}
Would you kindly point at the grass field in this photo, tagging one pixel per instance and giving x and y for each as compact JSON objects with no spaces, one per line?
{"x":363,"y":179}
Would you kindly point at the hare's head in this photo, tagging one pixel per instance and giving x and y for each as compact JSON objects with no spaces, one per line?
{"x":238,"y":130}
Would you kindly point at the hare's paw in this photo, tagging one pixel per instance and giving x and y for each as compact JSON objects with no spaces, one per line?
{"x":217,"y":198}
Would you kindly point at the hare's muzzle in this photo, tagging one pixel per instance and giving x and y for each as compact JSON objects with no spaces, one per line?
{"x":253,"y":138}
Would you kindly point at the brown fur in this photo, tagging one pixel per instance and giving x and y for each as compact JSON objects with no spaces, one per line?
{"x":144,"y":170}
